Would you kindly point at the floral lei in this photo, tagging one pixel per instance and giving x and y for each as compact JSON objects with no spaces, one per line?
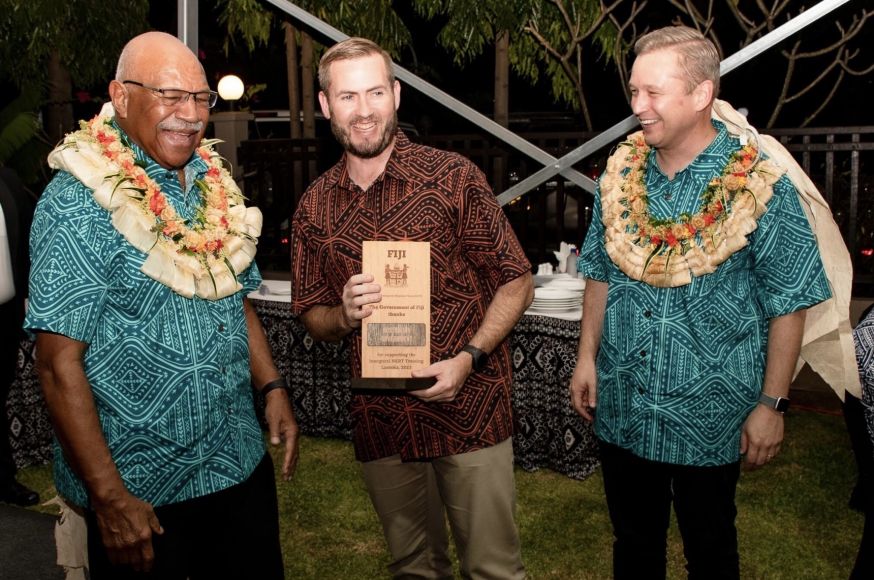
{"x":196,"y":258}
{"x":667,"y":252}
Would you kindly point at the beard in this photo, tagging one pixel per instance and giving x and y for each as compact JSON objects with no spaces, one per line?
{"x":367,"y":149}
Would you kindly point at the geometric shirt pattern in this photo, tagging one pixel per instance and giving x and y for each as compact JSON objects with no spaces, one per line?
{"x":680,"y":369}
{"x":424,"y":194}
{"x":863,"y":335}
{"x":169,"y":375}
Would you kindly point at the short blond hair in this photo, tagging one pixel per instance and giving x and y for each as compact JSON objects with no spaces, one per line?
{"x":697,"y":54}
{"x":348,"y":49}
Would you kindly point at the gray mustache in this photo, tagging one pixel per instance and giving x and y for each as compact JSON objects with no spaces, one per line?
{"x":178,"y":125}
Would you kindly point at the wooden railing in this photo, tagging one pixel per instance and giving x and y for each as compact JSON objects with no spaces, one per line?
{"x":840,"y":160}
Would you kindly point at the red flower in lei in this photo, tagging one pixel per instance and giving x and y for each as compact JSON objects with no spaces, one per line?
{"x":204,"y":236}
{"x":657,"y":233}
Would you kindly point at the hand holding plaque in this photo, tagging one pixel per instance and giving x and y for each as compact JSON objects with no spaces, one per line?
{"x":396,"y":337}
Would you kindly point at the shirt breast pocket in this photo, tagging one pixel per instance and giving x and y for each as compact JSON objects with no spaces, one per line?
{"x":734,"y":275}
{"x":132,"y":297}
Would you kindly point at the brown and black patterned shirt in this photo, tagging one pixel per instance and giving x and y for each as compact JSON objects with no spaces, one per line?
{"x":424,"y":194}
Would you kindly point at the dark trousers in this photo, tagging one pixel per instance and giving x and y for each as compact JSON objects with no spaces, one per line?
{"x":862,"y":498}
{"x":639,"y":497}
{"x":11,"y":317}
{"x":232,"y":534}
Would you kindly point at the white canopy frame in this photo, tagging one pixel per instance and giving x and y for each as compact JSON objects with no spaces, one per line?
{"x":187,"y":10}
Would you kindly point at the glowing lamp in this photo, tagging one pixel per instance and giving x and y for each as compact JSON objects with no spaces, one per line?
{"x":230,"y":88}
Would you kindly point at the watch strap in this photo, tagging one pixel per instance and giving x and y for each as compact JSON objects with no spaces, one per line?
{"x":479,"y":356}
{"x":779,"y":404}
{"x":279,"y":383}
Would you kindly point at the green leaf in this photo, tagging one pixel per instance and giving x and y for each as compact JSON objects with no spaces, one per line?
{"x":15,"y":134}
{"x":652,"y":255}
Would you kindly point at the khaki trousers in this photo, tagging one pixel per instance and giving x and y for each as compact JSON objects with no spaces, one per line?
{"x":476,"y":490}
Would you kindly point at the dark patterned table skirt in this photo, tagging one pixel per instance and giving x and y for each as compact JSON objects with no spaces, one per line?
{"x":549,"y":433}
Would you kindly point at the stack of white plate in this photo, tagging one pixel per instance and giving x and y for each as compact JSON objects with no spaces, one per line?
{"x":552,"y":300}
{"x":568,"y":283}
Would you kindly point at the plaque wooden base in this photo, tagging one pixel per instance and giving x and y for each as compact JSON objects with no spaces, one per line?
{"x":396,"y":337}
{"x":389,"y":384}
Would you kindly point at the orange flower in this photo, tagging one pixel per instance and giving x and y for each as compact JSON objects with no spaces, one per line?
{"x":157,"y":203}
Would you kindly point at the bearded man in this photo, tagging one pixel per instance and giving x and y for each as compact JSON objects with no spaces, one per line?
{"x":444,"y":450}
{"x":147,"y":348}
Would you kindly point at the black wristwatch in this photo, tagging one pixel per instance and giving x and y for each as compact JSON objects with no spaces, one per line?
{"x":779,"y":404}
{"x":479,"y":357}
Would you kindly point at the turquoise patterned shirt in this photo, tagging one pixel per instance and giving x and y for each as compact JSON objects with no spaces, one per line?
{"x":679,"y":369}
{"x":170,"y":375}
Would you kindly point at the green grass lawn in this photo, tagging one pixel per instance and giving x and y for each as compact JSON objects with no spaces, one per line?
{"x":793,"y":521}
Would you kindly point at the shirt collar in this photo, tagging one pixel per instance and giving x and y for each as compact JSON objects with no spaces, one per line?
{"x":714,"y":152}
{"x":397,"y":166}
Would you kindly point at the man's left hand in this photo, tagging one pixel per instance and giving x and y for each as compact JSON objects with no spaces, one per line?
{"x":450,"y":374}
{"x":283,"y":427}
{"x":761,"y":436}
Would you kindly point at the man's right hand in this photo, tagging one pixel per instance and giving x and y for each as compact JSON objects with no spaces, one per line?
{"x":359,"y":291}
{"x":126,"y":527}
{"x":584,"y":388}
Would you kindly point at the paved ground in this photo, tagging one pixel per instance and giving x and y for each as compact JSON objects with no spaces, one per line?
{"x":27,"y":545}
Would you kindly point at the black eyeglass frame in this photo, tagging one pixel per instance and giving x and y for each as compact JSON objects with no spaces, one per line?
{"x":211,"y":96}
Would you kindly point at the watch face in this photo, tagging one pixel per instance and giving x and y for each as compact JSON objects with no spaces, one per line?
{"x":782,"y":405}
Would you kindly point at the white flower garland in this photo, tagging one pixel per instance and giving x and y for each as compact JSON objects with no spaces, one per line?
{"x":202,"y":258}
{"x":667,"y":253}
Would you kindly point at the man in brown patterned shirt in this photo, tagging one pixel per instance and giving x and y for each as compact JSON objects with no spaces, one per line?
{"x":445,"y":450}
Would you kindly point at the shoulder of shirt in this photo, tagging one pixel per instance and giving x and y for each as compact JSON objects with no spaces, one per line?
{"x":323,"y":182}
{"x":417,"y":162}
{"x":65,"y":186}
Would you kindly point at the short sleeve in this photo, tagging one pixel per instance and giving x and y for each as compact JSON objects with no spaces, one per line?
{"x":250,"y":279}
{"x":309,"y":249}
{"x":593,"y":259}
{"x":788,"y":270}
{"x":69,"y":242}
{"x":487,"y":238}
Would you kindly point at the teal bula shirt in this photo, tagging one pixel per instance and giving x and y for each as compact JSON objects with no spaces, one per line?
{"x":170,"y":375}
{"x":679,"y":369}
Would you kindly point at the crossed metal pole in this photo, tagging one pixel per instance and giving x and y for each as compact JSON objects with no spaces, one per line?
{"x":564,"y":165}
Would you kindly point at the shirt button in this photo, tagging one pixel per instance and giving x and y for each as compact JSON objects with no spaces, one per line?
{"x":221,"y":327}
{"x":647,"y":313}
{"x":643,"y":353}
{"x":641,"y":390}
{"x":669,"y":196}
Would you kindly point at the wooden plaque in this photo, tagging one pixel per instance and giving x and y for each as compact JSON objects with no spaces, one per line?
{"x":396,"y":338}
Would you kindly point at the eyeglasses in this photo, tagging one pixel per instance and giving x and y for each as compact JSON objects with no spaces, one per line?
{"x":173,"y":97}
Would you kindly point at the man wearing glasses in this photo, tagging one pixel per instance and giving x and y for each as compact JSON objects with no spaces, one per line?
{"x":142,"y":255}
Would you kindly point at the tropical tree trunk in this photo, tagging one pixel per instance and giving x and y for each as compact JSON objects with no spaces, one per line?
{"x":59,"y":111}
{"x":293,"y":79}
{"x":502,"y":101}
{"x":307,"y":83}
{"x":502,"y":79}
